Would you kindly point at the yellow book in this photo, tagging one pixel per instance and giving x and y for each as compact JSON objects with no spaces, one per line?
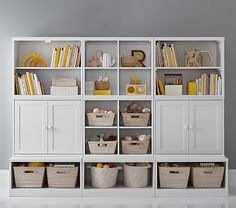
{"x":192,"y":87}
{"x":102,"y":92}
{"x":170,"y":55}
{"x":66,"y":49}
{"x":17,"y":85}
{"x":57,"y":56}
{"x":161,"y":87}
{"x":30,"y":83}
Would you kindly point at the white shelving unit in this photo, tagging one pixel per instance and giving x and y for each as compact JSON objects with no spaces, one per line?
{"x":167,"y":141}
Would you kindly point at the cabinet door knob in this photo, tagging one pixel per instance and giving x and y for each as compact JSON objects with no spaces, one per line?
{"x":45,"y":127}
{"x":50,"y":127}
{"x":185,"y":126}
{"x":190,"y":127}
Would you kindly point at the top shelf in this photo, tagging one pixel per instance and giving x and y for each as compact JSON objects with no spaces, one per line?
{"x":47,"y":68}
{"x":189,"y":68}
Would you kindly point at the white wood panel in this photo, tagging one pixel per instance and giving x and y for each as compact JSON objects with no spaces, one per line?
{"x":64,"y":127}
{"x":205,"y":127}
{"x":30,"y":127}
{"x":171,"y":127}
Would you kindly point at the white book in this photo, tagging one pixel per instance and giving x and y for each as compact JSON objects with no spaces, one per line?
{"x":75,"y":56}
{"x":200,"y":86}
{"x":174,"y":55}
{"x":61,"y":57}
{"x":166,"y":55}
{"x":219,"y":86}
{"x":72,"y":55}
{"x":53,"y":57}
{"x":25,"y":86}
{"x":32,"y":78}
{"x":37,"y":85}
{"x":20,"y":86}
{"x":68,"y":57}
{"x":197,"y":86}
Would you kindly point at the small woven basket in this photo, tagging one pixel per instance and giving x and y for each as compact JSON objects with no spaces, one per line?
{"x":29,"y":177}
{"x":174,"y":177}
{"x":135,"y":147}
{"x":207,"y":177}
{"x":104,"y":177}
{"x":59,"y":177}
{"x":102,"y":147}
{"x":102,"y":85}
{"x":135,"y":119}
{"x":136,"y":176}
{"x":100,"y":119}
{"x":128,"y":61}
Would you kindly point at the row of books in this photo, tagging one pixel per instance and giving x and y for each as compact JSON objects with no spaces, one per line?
{"x":68,"y":56}
{"x":209,"y":84}
{"x":28,"y":84}
{"x":167,"y":55}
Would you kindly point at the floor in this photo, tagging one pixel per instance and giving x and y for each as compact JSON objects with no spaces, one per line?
{"x":104,"y":202}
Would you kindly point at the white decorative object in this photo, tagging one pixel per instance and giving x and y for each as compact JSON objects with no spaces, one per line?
{"x":107,"y":60}
{"x":173,"y":89}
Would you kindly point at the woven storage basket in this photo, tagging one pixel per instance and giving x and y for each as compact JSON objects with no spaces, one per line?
{"x":101,"y":119}
{"x":29,"y":177}
{"x":135,"y":119}
{"x":59,"y":177}
{"x":207,"y":177}
{"x":136,"y":176}
{"x":64,"y":91}
{"x":135,"y":147}
{"x":174,"y":177}
{"x":102,"y":147}
{"x":104,"y":177}
{"x":102,"y":85}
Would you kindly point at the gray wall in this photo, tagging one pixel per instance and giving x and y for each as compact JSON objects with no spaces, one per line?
{"x":116,"y":18}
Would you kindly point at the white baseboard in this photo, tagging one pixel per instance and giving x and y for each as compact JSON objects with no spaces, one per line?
{"x":4,"y":178}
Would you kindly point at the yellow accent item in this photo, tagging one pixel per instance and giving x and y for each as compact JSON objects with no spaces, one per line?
{"x":161,"y":87}
{"x":35,"y":164}
{"x":192,"y":87}
{"x":102,"y":92}
{"x":57,"y":56}
{"x":30,"y":83}
{"x":99,"y":165}
{"x":36,"y":60}
{"x":30,"y":59}
{"x":66,"y":50}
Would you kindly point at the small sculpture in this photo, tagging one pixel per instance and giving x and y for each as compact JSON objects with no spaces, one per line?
{"x":136,"y":59}
{"x":32,"y":59}
{"x":95,"y":60}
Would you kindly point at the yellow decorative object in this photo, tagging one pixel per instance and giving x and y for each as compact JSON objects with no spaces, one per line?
{"x":31,"y":59}
{"x":99,"y":165}
{"x":136,"y":90}
{"x":192,"y":87}
{"x":35,"y":164}
{"x":134,"y":79}
{"x":102,"y":92}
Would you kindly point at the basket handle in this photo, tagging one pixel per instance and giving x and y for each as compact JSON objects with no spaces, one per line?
{"x":135,"y":116}
{"x":174,"y":172}
{"x":62,"y":172}
{"x":102,"y":145}
{"x":30,"y":171}
{"x":208,"y":172}
{"x":100,"y":116}
{"x":135,"y":143}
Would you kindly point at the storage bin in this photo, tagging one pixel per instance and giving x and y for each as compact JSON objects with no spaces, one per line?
{"x":174,"y":177}
{"x":104,"y":177}
{"x":100,"y":119}
{"x":64,"y":91}
{"x":135,"y":119}
{"x":173,"y":89}
{"x":29,"y":177}
{"x":102,"y":147}
{"x":135,"y":146}
{"x":60,"y":177}
{"x":102,"y":85}
{"x":207,"y":177}
{"x":136,"y":176}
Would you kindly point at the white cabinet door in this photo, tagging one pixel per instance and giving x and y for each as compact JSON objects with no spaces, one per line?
{"x":205,"y":127}
{"x":30,"y":127}
{"x":64,"y":127}
{"x":171,"y":127}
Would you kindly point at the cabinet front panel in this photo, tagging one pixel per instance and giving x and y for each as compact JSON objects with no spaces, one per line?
{"x":171,"y":132}
{"x":205,"y":127}
{"x":30,"y":127}
{"x":64,"y":127}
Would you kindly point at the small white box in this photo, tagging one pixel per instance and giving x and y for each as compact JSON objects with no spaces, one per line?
{"x":64,"y":91}
{"x":173,"y":89}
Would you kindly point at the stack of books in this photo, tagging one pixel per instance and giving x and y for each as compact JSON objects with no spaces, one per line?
{"x":64,"y":86}
{"x":209,"y":84}
{"x":28,"y":84}
{"x":68,"y":56}
{"x":167,"y":55}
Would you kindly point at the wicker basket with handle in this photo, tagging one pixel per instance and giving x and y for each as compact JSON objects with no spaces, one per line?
{"x":174,"y":177}
{"x":102,"y":147}
{"x":61,"y":177}
{"x":101,"y":119}
{"x":135,"y":119}
{"x":207,"y":177}
{"x":103,"y":177}
{"x":135,"y":146}
{"x":136,"y":176}
{"x":102,"y":85}
{"x":29,"y":177}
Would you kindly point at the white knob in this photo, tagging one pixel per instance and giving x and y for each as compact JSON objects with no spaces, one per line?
{"x":185,"y":126}
{"x":190,"y":127}
{"x":45,"y":127}
{"x":50,"y":127}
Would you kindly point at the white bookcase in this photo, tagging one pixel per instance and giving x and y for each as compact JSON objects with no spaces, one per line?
{"x":185,"y":128}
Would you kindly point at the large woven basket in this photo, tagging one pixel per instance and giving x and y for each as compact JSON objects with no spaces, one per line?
{"x":207,"y":177}
{"x":102,"y":85}
{"x":29,"y":177}
{"x":136,"y":176}
{"x":135,"y":119}
{"x":135,"y":147}
{"x":59,"y":177}
{"x":104,"y":177}
{"x":101,"y":119}
{"x":102,"y":147}
{"x":174,"y":177}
